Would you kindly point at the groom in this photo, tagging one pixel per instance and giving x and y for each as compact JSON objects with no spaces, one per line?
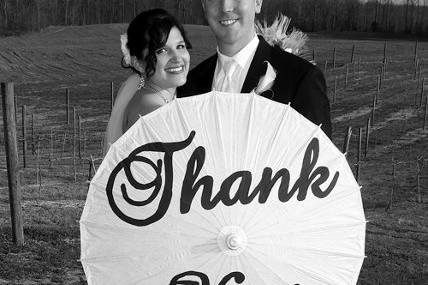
{"x":241,"y":58}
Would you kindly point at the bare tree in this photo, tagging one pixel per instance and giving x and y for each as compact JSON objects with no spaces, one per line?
{"x":4,"y":9}
{"x":37,"y":2}
{"x":66,"y":13}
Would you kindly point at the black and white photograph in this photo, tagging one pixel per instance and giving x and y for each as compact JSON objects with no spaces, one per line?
{"x":214,"y":142}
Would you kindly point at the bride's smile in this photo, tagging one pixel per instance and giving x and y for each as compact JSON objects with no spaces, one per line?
{"x":172,"y":62}
{"x":177,"y":69}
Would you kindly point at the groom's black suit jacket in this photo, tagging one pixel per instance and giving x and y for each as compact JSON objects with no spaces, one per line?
{"x":297,"y":81}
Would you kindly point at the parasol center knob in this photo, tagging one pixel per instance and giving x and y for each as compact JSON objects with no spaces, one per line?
{"x":234,"y":241}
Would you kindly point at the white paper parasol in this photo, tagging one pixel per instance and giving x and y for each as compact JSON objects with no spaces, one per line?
{"x":223,"y":189}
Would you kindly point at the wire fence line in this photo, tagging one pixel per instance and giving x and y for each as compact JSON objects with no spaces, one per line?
{"x":66,"y":143}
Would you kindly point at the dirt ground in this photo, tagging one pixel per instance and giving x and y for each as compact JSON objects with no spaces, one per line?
{"x":86,"y":59}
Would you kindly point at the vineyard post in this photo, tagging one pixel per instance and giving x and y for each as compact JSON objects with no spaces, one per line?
{"x":385,"y":67}
{"x":313,"y":55}
{"x":360,"y":140}
{"x":335,"y":89}
{"x":63,"y":144}
{"x":325,"y":67}
{"x":79,"y":135}
{"x":357,"y":172}
{"x":112,"y":94}
{"x":93,"y":164}
{"x":415,"y":57}
{"x":39,"y":168}
{"x":419,"y":166}
{"x":11,"y":148}
{"x":416,"y":95}
{"x":92,"y":169}
{"x":37,"y":164}
{"x":51,"y":149}
{"x":373,"y":110}
{"x":74,"y":129}
{"x":426,"y":112}
{"x":415,"y":74}
{"x":357,"y":165}
{"x":366,"y":149}
{"x":354,"y":69}
{"x":24,"y":136}
{"x":89,"y":169}
{"x":347,"y":139}
{"x":352,"y":53}
{"x":346,"y":77}
{"x":101,"y":146}
{"x":74,"y":145}
{"x":334,"y":58}
{"x":33,"y":143}
{"x":384,"y":52}
{"x":15,"y":104}
{"x":67,"y":105}
{"x":418,"y":186}
{"x":378,"y":87}
{"x":418,"y":80}
{"x":84,"y":143}
{"x":389,"y":206}
{"x":422,"y":92}
{"x":357,"y":68}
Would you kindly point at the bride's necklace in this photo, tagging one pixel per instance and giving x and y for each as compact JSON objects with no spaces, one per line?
{"x":164,"y":94}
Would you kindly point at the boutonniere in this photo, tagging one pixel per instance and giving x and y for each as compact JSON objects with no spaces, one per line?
{"x":266,"y":81}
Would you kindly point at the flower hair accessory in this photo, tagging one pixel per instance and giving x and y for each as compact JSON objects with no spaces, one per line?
{"x":125,"y":50}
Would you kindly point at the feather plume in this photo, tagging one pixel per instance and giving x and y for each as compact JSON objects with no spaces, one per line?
{"x":276,"y":34}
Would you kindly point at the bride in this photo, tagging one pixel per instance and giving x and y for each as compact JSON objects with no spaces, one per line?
{"x":155,"y":48}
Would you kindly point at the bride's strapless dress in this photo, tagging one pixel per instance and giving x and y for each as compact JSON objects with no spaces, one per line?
{"x":128,"y":106}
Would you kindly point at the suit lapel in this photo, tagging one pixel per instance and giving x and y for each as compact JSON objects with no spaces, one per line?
{"x":207,"y":80}
{"x":258,"y":67}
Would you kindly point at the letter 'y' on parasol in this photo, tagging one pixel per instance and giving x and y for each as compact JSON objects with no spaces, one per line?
{"x":223,"y":189}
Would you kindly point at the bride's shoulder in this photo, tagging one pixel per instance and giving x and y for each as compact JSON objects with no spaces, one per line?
{"x":143,"y":97}
{"x":133,"y":78}
{"x":140,"y":105}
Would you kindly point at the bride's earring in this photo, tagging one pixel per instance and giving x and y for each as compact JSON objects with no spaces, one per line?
{"x":142,"y":81}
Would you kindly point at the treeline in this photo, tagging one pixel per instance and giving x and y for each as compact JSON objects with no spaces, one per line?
{"x":354,"y":15}
{"x":309,"y":15}
{"x":37,"y":14}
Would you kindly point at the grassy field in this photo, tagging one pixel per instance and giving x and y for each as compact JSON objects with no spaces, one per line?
{"x":86,"y":59}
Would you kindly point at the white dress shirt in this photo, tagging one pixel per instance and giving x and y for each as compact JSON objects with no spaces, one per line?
{"x":237,"y":71}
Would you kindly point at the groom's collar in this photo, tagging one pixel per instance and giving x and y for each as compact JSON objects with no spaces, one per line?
{"x":243,"y":56}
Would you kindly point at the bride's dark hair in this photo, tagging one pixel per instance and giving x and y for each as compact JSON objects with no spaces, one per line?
{"x":149,"y":31}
